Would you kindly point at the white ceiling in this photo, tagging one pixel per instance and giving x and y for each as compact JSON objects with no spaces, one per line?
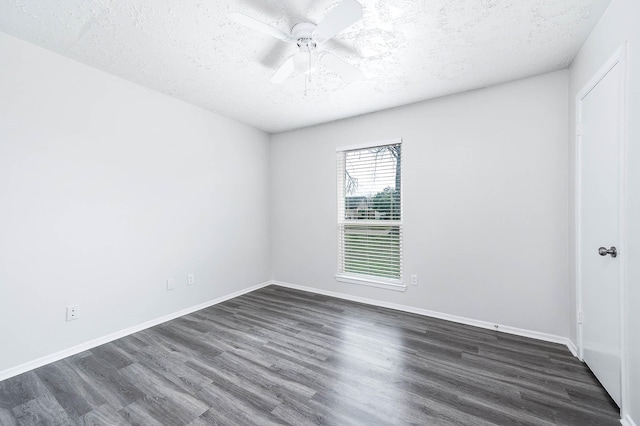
{"x":408,"y":50}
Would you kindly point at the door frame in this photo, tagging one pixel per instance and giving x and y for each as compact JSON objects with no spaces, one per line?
{"x":618,"y":58}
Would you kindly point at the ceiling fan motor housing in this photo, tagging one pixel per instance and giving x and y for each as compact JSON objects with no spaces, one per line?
{"x":303,"y":34}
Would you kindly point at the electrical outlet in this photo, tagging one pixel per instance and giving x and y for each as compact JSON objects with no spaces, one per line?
{"x":73,"y":312}
{"x":191,"y":280}
{"x":414,"y":279}
{"x":171,"y":284}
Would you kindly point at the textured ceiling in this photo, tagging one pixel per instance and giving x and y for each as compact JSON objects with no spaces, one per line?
{"x":408,"y":50}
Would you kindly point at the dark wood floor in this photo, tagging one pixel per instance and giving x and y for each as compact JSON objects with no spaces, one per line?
{"x":280,"y":356}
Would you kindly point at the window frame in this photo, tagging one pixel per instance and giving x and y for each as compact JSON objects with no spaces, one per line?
{"x":357,"y":278}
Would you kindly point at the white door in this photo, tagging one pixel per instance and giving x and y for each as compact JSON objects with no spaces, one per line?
{"x":600,"y":111}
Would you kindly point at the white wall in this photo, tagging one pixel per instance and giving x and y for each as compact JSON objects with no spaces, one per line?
{"x":618,"y":25}
{"x":485,"y":202}
{"x":107,"y":189}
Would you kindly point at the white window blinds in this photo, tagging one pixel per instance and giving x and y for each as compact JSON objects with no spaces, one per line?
{"x":370,"y":212}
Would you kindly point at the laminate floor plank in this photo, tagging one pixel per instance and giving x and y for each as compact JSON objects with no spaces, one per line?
{"x":157,"y":387}
{"x":75,"y":394}
{"x":20,"y":389}
{"x":6,"y":418}
{"x":44,"y":410}
{"x":114,"y":389}
{"x":279,"y":356}
{"x":104,"y":415}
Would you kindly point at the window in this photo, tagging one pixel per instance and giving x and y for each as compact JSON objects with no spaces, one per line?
{"x":370,"y":214}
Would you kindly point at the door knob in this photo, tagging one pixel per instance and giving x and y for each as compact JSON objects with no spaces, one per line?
{"x":612,"y":251}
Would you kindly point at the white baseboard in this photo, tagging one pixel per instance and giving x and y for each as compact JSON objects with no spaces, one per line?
{"x":573,"y":348}
{"x":28,"y":366}
{"x":627,"y":421}
{"x":433,"y":314}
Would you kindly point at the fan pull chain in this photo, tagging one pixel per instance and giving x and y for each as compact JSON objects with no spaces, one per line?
{"x":307,"y":80}
{"x":310,"y":69}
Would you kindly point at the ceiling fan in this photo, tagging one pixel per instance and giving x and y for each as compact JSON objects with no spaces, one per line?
{"x":308,"y":37}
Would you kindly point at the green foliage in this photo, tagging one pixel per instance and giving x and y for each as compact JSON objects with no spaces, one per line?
{"x":387,"y":203}
{"x":372,"y":250}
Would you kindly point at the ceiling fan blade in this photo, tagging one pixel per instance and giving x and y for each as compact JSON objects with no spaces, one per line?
{"x":341,"y":17}
{"x":345,"y":70}
{"x":284,"y":72}
{"x":254,"y":24}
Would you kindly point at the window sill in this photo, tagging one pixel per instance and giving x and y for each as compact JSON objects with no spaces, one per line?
{"x":371,"y":282}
